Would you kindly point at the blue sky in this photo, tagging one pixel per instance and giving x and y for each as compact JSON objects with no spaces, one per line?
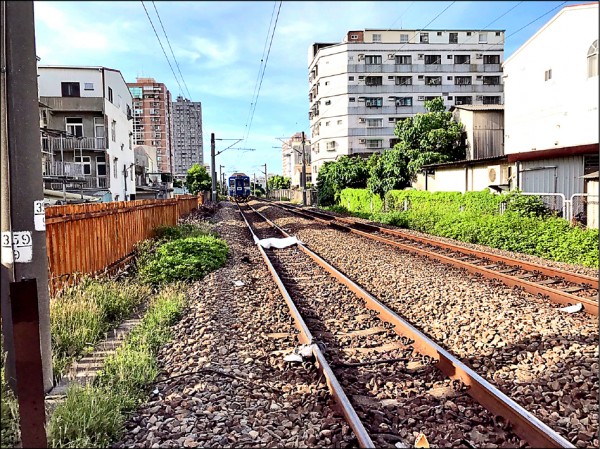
{"x":219,"y":46}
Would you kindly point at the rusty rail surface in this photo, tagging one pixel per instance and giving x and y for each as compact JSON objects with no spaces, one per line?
{"x":554,"y":295}
{"x":524,"y":424}
{"x":305,"y":337}
{"x":91,"y":238}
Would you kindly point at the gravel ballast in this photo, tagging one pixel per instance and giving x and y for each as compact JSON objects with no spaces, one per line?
{"x":544,"y":359}
{"x":223,"y":381}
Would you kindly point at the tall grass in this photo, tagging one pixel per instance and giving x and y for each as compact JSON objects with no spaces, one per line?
{"x":93,"y":416}
{"x":81,"y":315}
{"x":9,"y":409}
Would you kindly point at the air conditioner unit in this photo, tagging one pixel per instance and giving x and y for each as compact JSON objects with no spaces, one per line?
{"x":361,"y":57}
{"x":494,"y":174}
{"x":420,"y":56}
{"x":479,"y":77}
{"x":479,"y":56}
{"x":361,"y":120}
{"x":479,"y":97}
{"x":420,"y":77}
{"x":391,"y":77}
{"x":421,"y":98}
{"x":458,"y":102}
{"x":390,"y":55}
{"x":362,"y":141}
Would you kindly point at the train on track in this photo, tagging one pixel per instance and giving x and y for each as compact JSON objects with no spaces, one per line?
{"x":239,"y":187}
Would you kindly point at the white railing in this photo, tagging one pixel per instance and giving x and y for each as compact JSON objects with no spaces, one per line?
{"x":76,"y":143}
{"x":58,"y":168}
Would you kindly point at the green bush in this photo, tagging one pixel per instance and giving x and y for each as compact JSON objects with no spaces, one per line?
{"x":169,"y":233}
{"x":473,"y":217}
{"x":184,"y":259}
{"x":360,"y":200}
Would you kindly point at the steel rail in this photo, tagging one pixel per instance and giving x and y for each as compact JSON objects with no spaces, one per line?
{"x":524,"y":424}
{"x":589,"y":305}
{"x":306,"y":337}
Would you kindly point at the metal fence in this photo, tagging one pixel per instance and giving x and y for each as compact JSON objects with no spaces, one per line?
{"x":293,"y":195}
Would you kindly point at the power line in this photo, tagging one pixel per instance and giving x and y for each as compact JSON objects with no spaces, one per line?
{"x":264,"y":69}
{"x":534,"y":20}
{"x":171,"y":48}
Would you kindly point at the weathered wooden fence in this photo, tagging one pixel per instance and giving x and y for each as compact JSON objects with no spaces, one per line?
{"x":89,"y":238}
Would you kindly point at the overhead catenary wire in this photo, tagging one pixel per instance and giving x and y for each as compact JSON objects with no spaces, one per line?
{"x":262,"y":60}
{"x":264,"y":70}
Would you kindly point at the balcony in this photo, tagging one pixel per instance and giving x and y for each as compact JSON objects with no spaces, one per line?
{"x":76,"y":143}
{"x":83,"y":104}
{"x":424,"y":68}
{"x":85,"y":183}
{"x":67,"y":169}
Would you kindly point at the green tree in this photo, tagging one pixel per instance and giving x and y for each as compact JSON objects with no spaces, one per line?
{"x":257,"y":188}
{"x":387,"y":172}
{"x":429,"y":138}
{"x":336,"y":176}
{"x":278,"y":182}
{"x":198,"y":179}
{"x":177,"y":183}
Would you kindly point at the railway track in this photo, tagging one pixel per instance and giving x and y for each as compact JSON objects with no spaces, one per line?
{"x":394,"y":380}
{"x":558,"y":286}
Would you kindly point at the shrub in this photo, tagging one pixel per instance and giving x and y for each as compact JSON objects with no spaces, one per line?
{"x":184,"y":259}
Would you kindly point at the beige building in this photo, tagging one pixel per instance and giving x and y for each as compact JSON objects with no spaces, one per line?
{"x":291,"y":151}
{"x":152,"y":119}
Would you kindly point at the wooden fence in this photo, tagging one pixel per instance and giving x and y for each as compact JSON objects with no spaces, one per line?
{"x":89,"y":238}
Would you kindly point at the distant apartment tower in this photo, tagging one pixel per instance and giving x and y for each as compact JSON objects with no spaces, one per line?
{"x":291,"y":151}
{"x":360,"y":88}
{"x":187,"y":135}
{"x":152,"y":121}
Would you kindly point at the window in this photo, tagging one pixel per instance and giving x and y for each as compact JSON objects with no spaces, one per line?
{"x":453,"y":38}
{"x":433,"y":59}
{"x":491,"y":99}
{"x":463,"y":100}
{"x":403,"y":60}
{"x":372,"y":59}
{"x":85,"y":162}
{"x":592,"y":59}
{"x":376,"y":102}
{"x":393,"y":142}
{"x":462,"y":59}
{"x":350,"y":78}
{"x":433,"y":80}
{"x":404,"y":80}
{"x":404,"y":38}
{"x":351,"y":100}
{"x":339,"y":122}
{"x":74,"y":126}
{"x":376,"y":37}
{"x":403,"y":101}
{"x":327,"y":83}
{"x":113,"y":131}
{"x":110,"y":95}
{"x":88,"y":86}
{"x":468,"y":33}
{"x":70,"y":89}
{"x":431,"y":97}
{"x":374,"y":123}
{"x":374,"y":80}
{"x":463,"y":80}
{"x":331,"y":146}
{"x":450,"y":78}
{"x":328,"y":102}
{"x":115,"y":160}
{"x":100,"y":166}
{"x":424,"y":38}
{"x":548,"y":75}
{"x":491,"y":59}
{"x":439,"y":33}
{"x":492,"y":80}
{"x":482,"y":38}
{"x":372,"y":143}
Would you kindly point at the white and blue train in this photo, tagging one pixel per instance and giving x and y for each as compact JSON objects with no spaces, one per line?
{"x":239,"y":186}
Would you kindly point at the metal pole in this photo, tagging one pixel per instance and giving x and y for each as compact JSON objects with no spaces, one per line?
{"x":266,"y":182}
{"x":62,"y":163}
{"x":213,"y":168}
{"x":254,"y":186}
{"x":303,"y":172}
{"x":25,"y":257}
{"x":221,"y":179}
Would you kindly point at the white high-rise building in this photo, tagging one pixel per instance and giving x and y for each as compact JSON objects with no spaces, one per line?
{"x":360,"y":88}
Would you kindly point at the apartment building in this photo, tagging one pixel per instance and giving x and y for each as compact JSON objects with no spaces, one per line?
{"x":187,"y":135}
{"x":291,"y":151}
{"x":361,"y":87}
{"x":152,"y":119}
{"x":86,"y":127}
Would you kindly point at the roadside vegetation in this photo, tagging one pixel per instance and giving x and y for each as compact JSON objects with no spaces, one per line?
{"x":9,"y":409}
{"x":527,"y":225}
{"x":80,"y":316}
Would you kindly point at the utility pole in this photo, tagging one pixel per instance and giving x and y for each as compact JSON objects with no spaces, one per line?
{"x":221,"y":178}
{"x":303,"y":171}
{"x":266,"y":182}
{"x":254,"y":185}
{"x":24,"y":275}
{"x":213,"y":171}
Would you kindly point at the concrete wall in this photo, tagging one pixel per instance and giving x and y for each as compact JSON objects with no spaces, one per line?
{"x":563,"y":110}
{"x":50,"y":79}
